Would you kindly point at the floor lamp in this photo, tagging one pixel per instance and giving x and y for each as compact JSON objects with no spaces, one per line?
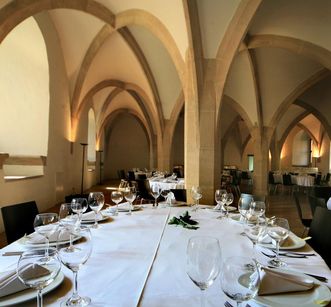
{"x":83,"y":164}
{"x":100,"y":166}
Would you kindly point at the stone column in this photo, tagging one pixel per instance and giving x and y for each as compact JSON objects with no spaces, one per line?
{"x":275,"y":154}
{"x":261,"y":140}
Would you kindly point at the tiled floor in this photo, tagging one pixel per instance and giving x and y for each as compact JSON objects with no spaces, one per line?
{"x":282,"y":205}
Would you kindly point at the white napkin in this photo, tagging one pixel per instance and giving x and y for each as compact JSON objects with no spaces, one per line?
{"x":36,"y":238}
{"x":10,"y":283}
{"x":124,"y":206}
{"x":273,"y":282}
{"x":89,"y":216}
{"x":328,"y":204}
{"x":171,"y":198}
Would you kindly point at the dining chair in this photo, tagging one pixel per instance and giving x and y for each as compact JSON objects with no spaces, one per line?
{"x":315,"y":202}
{"x":180,"y":194}
{"x":257,"y":198}
{"x":69,"y":198}
{"x":18,"y":219}
{"x":143,"y":191}
{"x":319,"y":231}
{"x":305,"y":222}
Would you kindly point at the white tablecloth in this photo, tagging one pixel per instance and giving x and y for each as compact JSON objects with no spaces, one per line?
{"x":131,"y":250}
{"x":167,"y":184}
{"x":303,"y":180}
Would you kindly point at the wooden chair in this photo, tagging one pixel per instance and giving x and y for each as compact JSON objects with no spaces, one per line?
{"x":319,"y":231}
{"x":315,"y":202}
{"x":305,"y":222}
{"x":18,"y":219}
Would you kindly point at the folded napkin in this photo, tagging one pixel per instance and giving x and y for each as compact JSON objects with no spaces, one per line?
{"x":171,"y":198}
{"x":124,"y":206}
{"x":89,"y":216}
{"x":10,"y":283}
{"x":274,"y":282}
{"x":36,"y":238}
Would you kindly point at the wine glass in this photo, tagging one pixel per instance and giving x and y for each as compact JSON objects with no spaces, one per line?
{"x":130,"y":194}
{"x":244,"y":204}
{"x":219,"y":198}
{"x":257,"y":209}
{"x":278,"y":230}
{"x":96,"y":201}
{"x":79,"y":206}
{"x":196,"y":194}
{"x":165,"y":195}
{"x":46,"y":224}
{"x":203,"y":262}
{"x":67,"y":219}
{"x":36,"y":272}
{"x":240,"y":278}
{"x":155,"y":192}
{"x":257,"y":231}
{"x":73,"y":257}
{"x":116,"y":197}
{"x":228,"y":201}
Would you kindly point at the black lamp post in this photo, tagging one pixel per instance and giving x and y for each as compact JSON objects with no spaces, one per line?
{"x":100,"y":166}
{"x":83,"y":166}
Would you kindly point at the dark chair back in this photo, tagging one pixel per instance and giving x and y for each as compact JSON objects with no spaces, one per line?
{"x":287,"y":179}
{"x":271,"y":179}
{"x":319,"y":231}
{"x":305,"y":222}
{"x":69,"y":198}
{"x":18,"y":219}
{"x":131,"y":176}
{"x":322,"y":192}
{"x":315,"y":202}
{"x":318,"y":179}
{"x":180,"y":194}
{"x":144,"y":189}
{"x":142,"y":177}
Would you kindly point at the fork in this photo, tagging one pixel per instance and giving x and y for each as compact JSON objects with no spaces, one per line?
{"x":284,"y":255}
{"x":227,"y":304}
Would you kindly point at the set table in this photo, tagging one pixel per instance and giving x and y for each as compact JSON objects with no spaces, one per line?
{"x":140,"y":260}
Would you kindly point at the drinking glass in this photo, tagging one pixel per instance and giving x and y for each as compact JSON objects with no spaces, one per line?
{"x":203,"y":262}
{"x":244,"y":204}
{"x":36,"y":272}
{"x":278,"y":230}
{"x":79,"y":206}
{"x":116,"y":197}
{"x":96,"y":201}
{"x":46,"y":224}
{"x":165,"y":195}
{"x":130,"y":194}
{"x":196,"y":194}
{"x":228,"y":201}
{"x":73,"y":257}
{"x":240,"y":278}
{"x":155,"y":192}
{"x":219,"y":198}
{"x":257,"y":231}
{"x":67,"y":219}
{"x":257,"y":209}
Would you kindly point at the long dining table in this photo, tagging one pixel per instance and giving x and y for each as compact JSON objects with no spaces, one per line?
{"x":140,"y":260}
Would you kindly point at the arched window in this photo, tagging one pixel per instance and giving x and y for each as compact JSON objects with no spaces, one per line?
{"x":91,"y":154}
{"x":301,"y":149}
{"x":24,"y":101}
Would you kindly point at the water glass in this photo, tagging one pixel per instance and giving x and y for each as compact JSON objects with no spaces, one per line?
{"x":244,"y":204}
{"x":96,"y":201}
{"x":116,"y":197}
{"x":203,"y":262}
{"x":278,"y":230}
{"x":229,"y":198}
{"x":165,"y":195}
{"x":130,"y":194}
{"x":240,"y":278}
{"x":219,"y":197}
{"x":37,"y":272}
{"x":73,"y":257}
{"x":79,"y":206}
{"x":155,"y":192}
{"x":196,"y":194}
{"x":257,"y":209}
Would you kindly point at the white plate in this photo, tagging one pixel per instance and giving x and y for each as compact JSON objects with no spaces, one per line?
{"x":316,"y":297}
{"x":26,"y":242}
{"x":236,"y":217}
{"x":173,"y":204}
{"x":295,"y":244}
{"x":29,"y":294}
{"x":126,"y":209}
{"x":100,"y":218}
{"x":230,"y":209}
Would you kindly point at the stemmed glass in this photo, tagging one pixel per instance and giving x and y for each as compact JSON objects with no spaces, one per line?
{"x":116,"y":197}
{"x":165,"y":195}
{"x":240,"y":278}
{"x":244,"y":204}
{"x":130,"y":194}
{"x":79,"y":206}
{"x":46,"y":224}
{"x":219,"y":198}
{"x":96,"y":201}
{"x":278,"y":230}
{"x":67,"y":219}
{"x":73,"y":257}
{"x":257,"y":209}
{"x":196,"y":194}
{"x":36,"y":272}
{"x":155,"y":191}
{"x":228,"y":201}
{"x":203,"y":262}
{"x":257,"y":231}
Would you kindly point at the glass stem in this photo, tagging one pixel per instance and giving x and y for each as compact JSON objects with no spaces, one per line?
{"x":130,"y":208}
{"x":75,"y":293}
{"x":277,"y":250}
{"x":203,"y":298}
{"x":39,"y":298}
{"x":95,"y":219}
{"x":47,"y":247}
{"x":239,"y":304}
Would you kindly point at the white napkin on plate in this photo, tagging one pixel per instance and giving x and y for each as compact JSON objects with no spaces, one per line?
{"x":274,"y":282}
{"x":89,"y":216}
{"x":10,"y":283}
{"x":36,"y":238}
